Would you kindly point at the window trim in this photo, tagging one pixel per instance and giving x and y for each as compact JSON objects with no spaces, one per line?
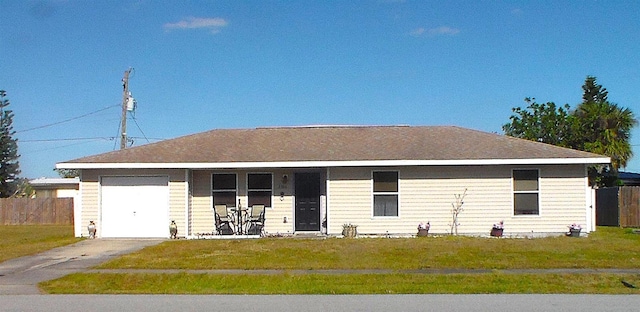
{"x":374,"y":193}
{"x":514,"y":192}
{"x":213,"y":191}
{"x":271,"y":190}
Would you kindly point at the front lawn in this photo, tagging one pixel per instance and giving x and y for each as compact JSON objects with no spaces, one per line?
{"x":607,"y":248}
{"x":23,"y":240}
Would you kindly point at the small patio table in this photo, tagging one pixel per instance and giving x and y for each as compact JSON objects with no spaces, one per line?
{"x":240,"y":211}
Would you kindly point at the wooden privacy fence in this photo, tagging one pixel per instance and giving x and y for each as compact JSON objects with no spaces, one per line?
{"x":629,"y":205}
{"x":618,"y":206}
{"x":21,"y":211}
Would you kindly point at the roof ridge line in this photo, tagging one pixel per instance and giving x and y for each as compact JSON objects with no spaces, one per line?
{"x":331,"y":126}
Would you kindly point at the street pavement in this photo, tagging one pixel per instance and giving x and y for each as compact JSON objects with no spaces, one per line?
{"x":319,"y":303}
{"x":20,"y":276}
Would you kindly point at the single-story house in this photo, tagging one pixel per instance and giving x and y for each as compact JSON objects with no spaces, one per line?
{"x":384,"y":179}
{"x":55,"y":187}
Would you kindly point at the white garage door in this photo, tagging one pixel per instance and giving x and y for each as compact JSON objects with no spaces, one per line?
{"x":135,"y":206}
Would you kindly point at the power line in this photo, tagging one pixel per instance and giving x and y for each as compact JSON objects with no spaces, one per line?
{"x":136,"y":122}
{"x":87,"y":139}
{"x":70,"y":119}
{"x":57,"y":147}
{"x":69,"y":139}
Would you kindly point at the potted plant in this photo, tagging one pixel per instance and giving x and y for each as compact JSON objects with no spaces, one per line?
{"x":423,"y":228}
{"x":497,"y":229}
{"x":574,"y":230}
{"x":349,"y":230}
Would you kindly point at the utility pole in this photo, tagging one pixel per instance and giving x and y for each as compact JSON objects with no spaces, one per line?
{"x":125,"y":99}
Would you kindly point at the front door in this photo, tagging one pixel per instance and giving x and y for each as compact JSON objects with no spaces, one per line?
{"x":307,"y":192}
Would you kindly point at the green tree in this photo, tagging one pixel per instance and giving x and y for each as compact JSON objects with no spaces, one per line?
{"x":542,"y":122}
{"x":67,"y":173}
{"x":24,"y":189}
{"x":593,"y":92}
{"x":596,"y":125}
{"x":606,"y":130}
{"x":604,"y":127}
{"x":9,"y":166}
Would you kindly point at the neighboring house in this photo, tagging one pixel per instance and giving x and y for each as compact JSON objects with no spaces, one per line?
{"x":55,"y":187}
{"x":385,"y":179}
{"x":629,"y":178}
{"x":60,"y":188}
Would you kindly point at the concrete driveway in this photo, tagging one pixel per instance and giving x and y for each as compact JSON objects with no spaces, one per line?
{"x":20,"y":276}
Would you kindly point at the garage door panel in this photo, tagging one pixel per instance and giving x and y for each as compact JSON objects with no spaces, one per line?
{"x":135,"y":206}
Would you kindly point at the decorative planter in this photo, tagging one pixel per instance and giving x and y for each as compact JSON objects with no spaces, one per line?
{"x":574,"y":232}
{"x":496,"y":232}
{"x":423,"y":232}
{"x":349,"y":231}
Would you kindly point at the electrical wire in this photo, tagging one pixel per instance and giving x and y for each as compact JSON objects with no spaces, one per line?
{"x":58,"y":147}
{"x":68,"y":139}
{"x":115,"y":142}
{"x":144,"y":135}
{"x":87,"y":139}
{"x":70,"y":119}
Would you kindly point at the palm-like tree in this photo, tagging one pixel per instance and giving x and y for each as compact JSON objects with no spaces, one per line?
{"x":607,"y":130}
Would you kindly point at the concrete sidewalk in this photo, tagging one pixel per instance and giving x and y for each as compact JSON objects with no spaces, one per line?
{"x":20,"y":276}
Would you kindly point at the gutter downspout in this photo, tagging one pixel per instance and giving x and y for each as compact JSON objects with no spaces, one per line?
{"x":327,"y":201}
{"x":187,"y":191}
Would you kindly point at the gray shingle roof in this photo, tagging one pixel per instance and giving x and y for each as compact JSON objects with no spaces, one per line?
{"x":336,"y":144}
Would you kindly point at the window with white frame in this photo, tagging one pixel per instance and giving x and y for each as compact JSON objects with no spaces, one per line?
{"x":224,"y":189}
{"x":526,"y":192}
{"x":385,"y":193}
{"x":259,"y":189}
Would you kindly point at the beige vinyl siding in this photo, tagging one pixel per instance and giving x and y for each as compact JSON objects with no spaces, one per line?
{"x":178,"y":204}
{"x":89,"y":210}
{"x":350,"y":200}
{"x":201,"y":214}
{"x":564,"y":200}
{"x":427,"y":193}
{"x":91,"y":193}
{"x":282,"y":206}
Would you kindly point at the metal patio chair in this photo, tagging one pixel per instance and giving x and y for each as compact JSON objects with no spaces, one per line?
{"x":256,"y":220}
{"x":223,"y":220}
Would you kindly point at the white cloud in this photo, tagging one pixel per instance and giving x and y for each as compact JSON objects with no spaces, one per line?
{"x":516,"y":11}
{"x":438,"y":31}
{"x":213,"y":24}
{"x":443,"y":30}
{"x":418,"y":32}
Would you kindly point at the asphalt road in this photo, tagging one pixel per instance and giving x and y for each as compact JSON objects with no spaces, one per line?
{"x":319,"y":303}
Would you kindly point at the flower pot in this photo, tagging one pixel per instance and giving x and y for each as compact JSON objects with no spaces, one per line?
{"x":349,"y":231}
{"x":574,"y":232}
{"x":423,"y":232}
{"x":496,"y":232}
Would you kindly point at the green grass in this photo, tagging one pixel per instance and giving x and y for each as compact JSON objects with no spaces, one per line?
{"x":606,"y":248}
{"x":23,"y":240}
{"x":490,"y":283}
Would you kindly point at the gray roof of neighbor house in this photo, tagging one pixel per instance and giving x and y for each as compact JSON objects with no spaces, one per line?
{"x":335,"y":145}
{"x":55,"y":182}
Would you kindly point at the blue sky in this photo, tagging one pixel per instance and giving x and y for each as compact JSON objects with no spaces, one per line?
{"x":201,"y":65}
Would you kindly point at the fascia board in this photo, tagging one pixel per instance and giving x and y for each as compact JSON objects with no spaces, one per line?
{"x":359,"y":163}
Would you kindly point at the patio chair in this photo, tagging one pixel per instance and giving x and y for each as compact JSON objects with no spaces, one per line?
{"x":223,"y":220}
{"x":256,"y":220}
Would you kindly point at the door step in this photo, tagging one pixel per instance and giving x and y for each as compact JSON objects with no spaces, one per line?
{"x":309,"y":235}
